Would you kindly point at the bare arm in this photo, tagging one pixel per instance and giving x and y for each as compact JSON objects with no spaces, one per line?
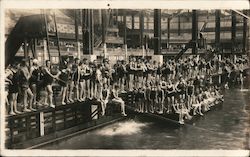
{"x":107,"y":97}
{"x":48,"y":72}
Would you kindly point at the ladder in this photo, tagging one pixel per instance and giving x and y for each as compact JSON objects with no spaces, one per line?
{"x":52,"y":34}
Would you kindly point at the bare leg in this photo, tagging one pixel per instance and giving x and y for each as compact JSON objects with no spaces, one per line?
{"x":77,"y":91}
{"x":131,"y":80}
{"x":30,"y":94}
{"x":83,"y":91}
{"x":71,"y":91}
{"x":64,"y":90}
{"x":11,"y":104}
{"x":88,"y":88}
{"x":25,"y":101}
{"x":34,"y":91}
{"x":50,"y":95}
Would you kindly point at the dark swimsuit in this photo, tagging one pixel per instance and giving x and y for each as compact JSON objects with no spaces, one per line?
{"x":47,"y":79}
{"x":181,"y":87}
{"x":190,"y":90}
{"x":13,"y":88}
{"x":64,"y":78}
{"x":87,"y":77}
{"x":170,"y":91}
{"x":153,"y":91}
{"x":139,"y":72}
{"x":24,"y":81}
{"x":104,"y":93}
{"x":34,"y":77}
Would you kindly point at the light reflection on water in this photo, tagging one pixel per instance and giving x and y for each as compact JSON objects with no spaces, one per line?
{"x":223,"y":128}
{"x":123,"y":128}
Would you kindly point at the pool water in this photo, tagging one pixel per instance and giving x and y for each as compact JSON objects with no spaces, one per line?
{"x":224,"y":128}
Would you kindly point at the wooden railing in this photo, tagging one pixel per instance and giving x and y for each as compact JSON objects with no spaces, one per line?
{"x":31,"y":125}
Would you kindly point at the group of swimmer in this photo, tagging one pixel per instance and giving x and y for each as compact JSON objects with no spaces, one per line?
{"x":172,"y":86}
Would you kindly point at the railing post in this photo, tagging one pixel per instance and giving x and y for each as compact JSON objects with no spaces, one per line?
{"x":27,"y":125}
{"x":75,"y":114}
{"x":41,"y":123}
{"x":54,"y":120}
{"x":11,"y":131}
{"x":64,"y":119}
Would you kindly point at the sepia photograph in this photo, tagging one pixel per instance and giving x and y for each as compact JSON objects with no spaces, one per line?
{"x":125,"y":79}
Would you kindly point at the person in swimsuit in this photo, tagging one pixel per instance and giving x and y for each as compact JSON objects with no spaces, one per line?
{"x":40,"y":87}
{"x":161,"y":99}
{"x":73,"y":79}
{"x":241,"y":70}
{"x":8,"y":82}
{"x":98,"y":82}
{"x":147,"y":97}
{"x":105,"y":92}
{"x":158,"y":72}
{"x":136,"y":99}
{"x":150,"y":69}
{"x":189,"y":93}
{"x":92,"y":79}
{"x":166,"y":71}
{"x":181,"y":89}
{"x":170,"y":92}
{"x":87,"y":76}
{"x":153,"y":93}
{"x":64,"y":82}
{"x":76,"y":79}
{"x":13,"y":89}
{"x":131,"y":73}
{"x":183,"y":112}
{"x":196,"y":105}
{"x":163,"y":85}
{"x":34,"y":70}
{"x":82,"y":80}
{"x":141,"y":99}
{"x":140,"y":68}
{"x":117,"y":99}
{"x":106,"y":72}
{"x":145,"y":73}
{"x":124,"y":73}
{"x":48,"y":79}
{"x":24,"y":77}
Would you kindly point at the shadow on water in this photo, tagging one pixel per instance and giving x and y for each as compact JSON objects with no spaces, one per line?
{"x":223,"y":128}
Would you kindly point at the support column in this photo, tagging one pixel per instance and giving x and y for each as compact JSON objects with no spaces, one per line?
{"x":34,"y":48}
{"x":125,"y":35}
{"x":104,"y":29}
{"x":45,"y":52}
{"x":133,"y":21}
{"x":157,"y":31}
{"x":86,"y":26}
{"x":92,"y":32}
{"x":233,"y":32}
{"x":168,"y":32}
{"x":179,"y":25}
{"x":141,"y":28}
{"x":217,"y":30}
{"x":26,"y":54}
{"x":248,"y":35}
{"x":244,"y":42}
{"x":147,"y":23}
{"x":116,"y":17}
{"x":77,"y":34}
{"x":194,"y":31}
